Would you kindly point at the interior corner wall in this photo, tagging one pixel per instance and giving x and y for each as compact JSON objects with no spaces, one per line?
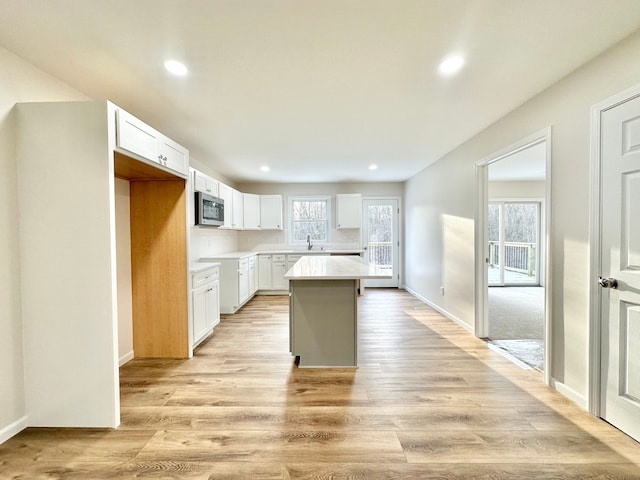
{"x":19,"y":82}
{"x":439,"y":208}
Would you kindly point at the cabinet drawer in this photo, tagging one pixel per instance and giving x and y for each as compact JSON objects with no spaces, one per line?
{"x":279,"y":258}
{"x":252,"y":261}
{"x":206,"y":276}
{"x":243,"y":264}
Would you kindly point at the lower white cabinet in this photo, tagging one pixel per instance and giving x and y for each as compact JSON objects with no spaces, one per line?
{"x":278,"y":269}
{"x":264,"y":272}
{"x":237,"y":280}
{"x":205,"y":297}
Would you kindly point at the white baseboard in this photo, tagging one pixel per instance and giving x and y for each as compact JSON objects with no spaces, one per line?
{"x":13,"y":429}
{"x":449,"y":315}
{"x":126,"y":357}
{"x":570,"y":393}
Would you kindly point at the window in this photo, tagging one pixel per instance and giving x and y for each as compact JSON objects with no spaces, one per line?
{"x":309,"y":216}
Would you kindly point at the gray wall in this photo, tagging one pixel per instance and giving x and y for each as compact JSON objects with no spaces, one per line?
{"x":440,"y":208}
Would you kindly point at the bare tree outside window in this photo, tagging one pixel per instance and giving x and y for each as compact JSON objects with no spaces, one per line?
{"x":309,"y":217}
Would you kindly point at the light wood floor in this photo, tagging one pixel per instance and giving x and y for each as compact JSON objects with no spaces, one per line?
{"x":428,"y":401}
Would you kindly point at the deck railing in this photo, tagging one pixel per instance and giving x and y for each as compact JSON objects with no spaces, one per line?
{"x":380,"y":253}
{"x":518,"y":256}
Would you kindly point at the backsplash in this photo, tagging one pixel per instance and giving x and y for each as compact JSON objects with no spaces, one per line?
{"x":207,"y":241}
{"x":260,"y":240}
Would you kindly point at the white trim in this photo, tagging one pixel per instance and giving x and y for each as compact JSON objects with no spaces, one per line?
{"x":126,"y":357}
{"x":13,"y":429}
{"x":569,"y":392}
{"x":595,"y":292}
{"x":508,"y":356}
{"x":481,"y":282}
{"x":441,"y":310}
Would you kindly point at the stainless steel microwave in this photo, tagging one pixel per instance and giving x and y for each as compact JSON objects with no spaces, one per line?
{"x":209,"y":210}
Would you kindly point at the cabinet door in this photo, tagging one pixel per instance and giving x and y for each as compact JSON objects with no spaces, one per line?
{"x":252,"y":279}
{"x":278,"y":269}
{"x":174,"y":155}
{"x":213,"y":305}
{"x":348,"y":210}
{"x":238,"y":210}
{"x":136,"y":136}
{"x":204,"y":183}
{"x":251,"y":211}
{"x":264,"y":272}
{"x":271,"y":212}
{"x":200,"y":323}
{"x":243,"y":285}
{"x":226,"y":193}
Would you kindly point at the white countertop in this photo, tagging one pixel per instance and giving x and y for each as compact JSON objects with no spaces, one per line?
{"x":200,"y":266}
{"x":334,"y":268}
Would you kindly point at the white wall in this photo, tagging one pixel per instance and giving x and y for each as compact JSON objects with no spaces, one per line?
{"x":440,"y":207}
{"x":123,"y":265}
{"x":503,"y":190}
{"x":19,"y":82}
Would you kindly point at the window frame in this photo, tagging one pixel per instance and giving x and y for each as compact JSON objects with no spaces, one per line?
{"x":290,"y":220}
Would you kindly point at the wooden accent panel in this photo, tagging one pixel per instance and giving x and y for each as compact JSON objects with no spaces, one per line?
{"x":131,"y":169}
{"x":159,"y":269}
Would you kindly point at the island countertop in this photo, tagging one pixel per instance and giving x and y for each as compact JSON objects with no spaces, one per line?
{"x":334,"y":268}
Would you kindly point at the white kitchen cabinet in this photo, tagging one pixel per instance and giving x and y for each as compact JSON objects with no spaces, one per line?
{"x":348,"y":210}
{"x":251,"y":204}
{"x":204,"y":183}
{"x":135,"y":136}
{"x":264,"y":272}
{"x":235,"y":281}
{"x":253,"y":276}
{"x":237,"y":206}
{"x":278,"y":269}
{"x":205,"y":296}
{"x":225,"y":192}
{"x":243,"y":281}
{"x":271,"y":212}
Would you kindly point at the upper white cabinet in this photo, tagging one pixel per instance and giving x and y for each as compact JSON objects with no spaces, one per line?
{"x":204,"y":183}
{"x":237,"y":219}
{"x":135,"y":136}
{"x":251,"y":204}
{"x":271,"y":212}
{"x":348,"y":210}
{"x":225,"y":192}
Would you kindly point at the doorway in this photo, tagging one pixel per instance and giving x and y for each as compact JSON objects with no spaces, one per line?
{"x":380,"y":238}
{"x":615,"y":263}
{"x":512,"y":309}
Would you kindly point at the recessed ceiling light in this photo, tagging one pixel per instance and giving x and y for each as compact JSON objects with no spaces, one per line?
{"x":451,"y":65}
{"x":373,"y":166}
{"x":175,"y":67}
{"x":265,"y":168}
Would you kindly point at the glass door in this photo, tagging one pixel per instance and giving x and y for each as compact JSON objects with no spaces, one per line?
{"x":514,"y":243}
{"x":380,"y":238}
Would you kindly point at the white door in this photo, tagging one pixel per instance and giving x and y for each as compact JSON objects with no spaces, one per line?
{"x":620,"y":262}
{"x":380,"y":238}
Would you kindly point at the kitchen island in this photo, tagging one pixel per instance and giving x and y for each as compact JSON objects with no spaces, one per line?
{"x":323,"y":309}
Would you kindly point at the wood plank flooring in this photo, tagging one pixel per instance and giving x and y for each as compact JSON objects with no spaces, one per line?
{"x":428,"y":401}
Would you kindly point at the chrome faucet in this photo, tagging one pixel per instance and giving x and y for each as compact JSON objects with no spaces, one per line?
{"x":309,"y":244}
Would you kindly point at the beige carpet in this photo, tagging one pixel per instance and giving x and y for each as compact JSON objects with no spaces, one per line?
{"x":516,"y":322}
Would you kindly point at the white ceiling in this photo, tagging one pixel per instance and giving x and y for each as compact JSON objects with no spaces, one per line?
{"x":316,"y":89}
{"x":525,"y":165}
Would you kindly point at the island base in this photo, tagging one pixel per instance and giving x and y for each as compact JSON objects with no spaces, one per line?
{"x":323,"y":326}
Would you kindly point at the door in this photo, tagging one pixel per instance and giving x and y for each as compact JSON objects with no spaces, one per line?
{"x":513,"y":232}
{"x":620,"y":265}
{"x":380,"y":238}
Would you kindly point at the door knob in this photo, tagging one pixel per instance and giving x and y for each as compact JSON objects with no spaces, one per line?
{"x":608,"y":282}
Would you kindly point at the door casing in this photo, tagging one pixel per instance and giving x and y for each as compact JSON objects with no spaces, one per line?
{"x":481,"y":329}
{"x":595,"y":266}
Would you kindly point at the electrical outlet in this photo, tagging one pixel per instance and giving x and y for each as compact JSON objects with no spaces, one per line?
{"x":442,"y":291}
